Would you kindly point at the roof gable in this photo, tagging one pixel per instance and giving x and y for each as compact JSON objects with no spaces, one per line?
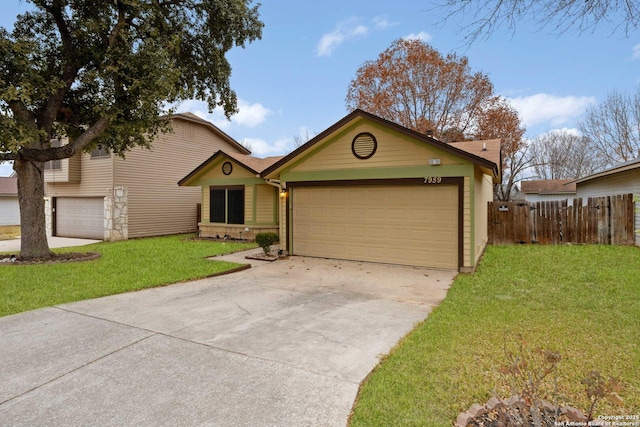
{"x":192,"y":118}
{"x":357,"y":117}
{"x":253,"y":165}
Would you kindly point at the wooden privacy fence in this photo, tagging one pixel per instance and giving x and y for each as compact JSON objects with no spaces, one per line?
{"x":603,"y":220}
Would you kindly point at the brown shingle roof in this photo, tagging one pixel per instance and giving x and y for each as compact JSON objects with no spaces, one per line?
{"x":548,"y":186}
{"x":9,"y":186}
{"x":488,"y":149}
{"x":254,"y":163}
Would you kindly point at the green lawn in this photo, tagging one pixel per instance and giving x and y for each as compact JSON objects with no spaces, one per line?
{"x":123,"y":266}
{"x":582,"y":301}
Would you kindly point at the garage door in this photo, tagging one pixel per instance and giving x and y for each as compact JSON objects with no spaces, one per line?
{"x":403,"y":224}
{"x":81,"y":217}
{"x":9,"y":211}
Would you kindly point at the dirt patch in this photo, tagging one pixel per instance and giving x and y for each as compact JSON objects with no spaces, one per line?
{"x":54,"y":259}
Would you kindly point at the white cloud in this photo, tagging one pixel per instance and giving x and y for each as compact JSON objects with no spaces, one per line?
{"x":248,"y":115}
{"x":423,"y":36}
{"x":636,"y":52}
{"x":381,"y":23}
{"x":261,"y":148}
{"x":344,"y":31}
{"x":545,"y":108}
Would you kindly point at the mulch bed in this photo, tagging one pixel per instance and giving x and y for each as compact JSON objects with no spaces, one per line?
{"x":54,"y":259}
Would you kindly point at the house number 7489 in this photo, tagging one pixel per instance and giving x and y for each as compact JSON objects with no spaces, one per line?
{"x":433,"y":180}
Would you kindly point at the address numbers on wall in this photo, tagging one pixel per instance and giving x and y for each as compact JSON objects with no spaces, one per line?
{"x":433,"y":180}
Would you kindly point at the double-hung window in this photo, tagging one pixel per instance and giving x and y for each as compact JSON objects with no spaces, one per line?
{"x":226,"y":205}
{"x":54,"y":164}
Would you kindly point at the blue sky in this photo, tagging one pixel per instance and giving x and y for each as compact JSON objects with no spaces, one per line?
{"x":294,"y":81}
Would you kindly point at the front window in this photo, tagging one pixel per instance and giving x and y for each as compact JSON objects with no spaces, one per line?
{"x":54,"y":164}
{"x":100,"y":151}
{"x":226,"y":205}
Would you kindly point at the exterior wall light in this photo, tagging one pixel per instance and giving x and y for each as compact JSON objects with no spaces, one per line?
{"x":283,"y":193}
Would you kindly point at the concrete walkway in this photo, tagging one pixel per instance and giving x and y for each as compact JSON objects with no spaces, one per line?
{"x":283,"y":343}
{"x":13,"y":245}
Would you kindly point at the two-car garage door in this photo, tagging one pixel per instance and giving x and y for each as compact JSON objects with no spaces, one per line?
{"x":397,"y":224}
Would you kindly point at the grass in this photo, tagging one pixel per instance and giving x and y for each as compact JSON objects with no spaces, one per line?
{"x":123,"y":267}
{"x":582,"y":301}
{"x":8,"y":232}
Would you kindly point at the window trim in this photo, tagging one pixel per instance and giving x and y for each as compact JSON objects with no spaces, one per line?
{"x":226,"y":189}
{"x":100,"y":152}
{"x":54,"y":165}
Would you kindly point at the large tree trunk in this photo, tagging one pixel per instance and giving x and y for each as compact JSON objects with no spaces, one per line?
{"x":33,"y":230}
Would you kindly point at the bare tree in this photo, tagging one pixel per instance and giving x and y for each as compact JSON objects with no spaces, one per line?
{"x":301,"y":139}
{"x":514,"y":165}
{"x":561,"y":154}
{"x":487,"y":16}
{"x":613,"y":127}
{"x":502,"y":121}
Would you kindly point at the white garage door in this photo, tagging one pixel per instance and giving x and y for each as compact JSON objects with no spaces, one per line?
{"x":409,"y":225}
{"x":81,"y":217}
{"x":9,"y":211}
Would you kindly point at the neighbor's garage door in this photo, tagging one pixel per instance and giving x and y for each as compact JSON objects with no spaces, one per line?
{"x":404,"y":224}
{"x":80,"y":217}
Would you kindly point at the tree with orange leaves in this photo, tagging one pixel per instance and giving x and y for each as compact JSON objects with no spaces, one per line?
{"x":413,"y":85}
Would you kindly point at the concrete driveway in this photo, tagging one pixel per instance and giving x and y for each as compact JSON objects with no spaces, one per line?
{"x":13,"y":245}
{"x":285,"y":343}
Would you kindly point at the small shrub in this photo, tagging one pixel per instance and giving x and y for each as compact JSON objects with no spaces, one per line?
{"x":527,"y":369}
{"x":265,"y":240}
{"x":598,"y":388}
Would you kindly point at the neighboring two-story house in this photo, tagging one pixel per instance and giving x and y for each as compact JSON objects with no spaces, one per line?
{"x":101,"y":196}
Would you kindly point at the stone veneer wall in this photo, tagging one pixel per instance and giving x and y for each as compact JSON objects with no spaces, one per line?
{"x":116,"y":215}
{"x":48,"y":216}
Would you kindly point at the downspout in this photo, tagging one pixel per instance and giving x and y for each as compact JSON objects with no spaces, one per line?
{"x":275,"y":182}
{"x":282,"y":222}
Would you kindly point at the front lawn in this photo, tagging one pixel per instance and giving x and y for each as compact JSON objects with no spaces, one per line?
{"x":581,"y":301}
{"x":123,"y":267}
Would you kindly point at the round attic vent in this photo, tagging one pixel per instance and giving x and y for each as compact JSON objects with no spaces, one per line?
{"x":364,"y":145}
{"x":227,"y":168}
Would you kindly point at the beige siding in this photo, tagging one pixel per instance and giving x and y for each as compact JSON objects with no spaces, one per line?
{"x":205,"y":205}
{"x":393,"y":150}
{"x":69,"y":170}
{"x":483,"y":195}
{"x":96,"y":180}
{"x":157,"y":205}
{"x":248,"y":204}
{"x":466,"y":223}
{"x":266,"y":195}
{"x":215,"y":172}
